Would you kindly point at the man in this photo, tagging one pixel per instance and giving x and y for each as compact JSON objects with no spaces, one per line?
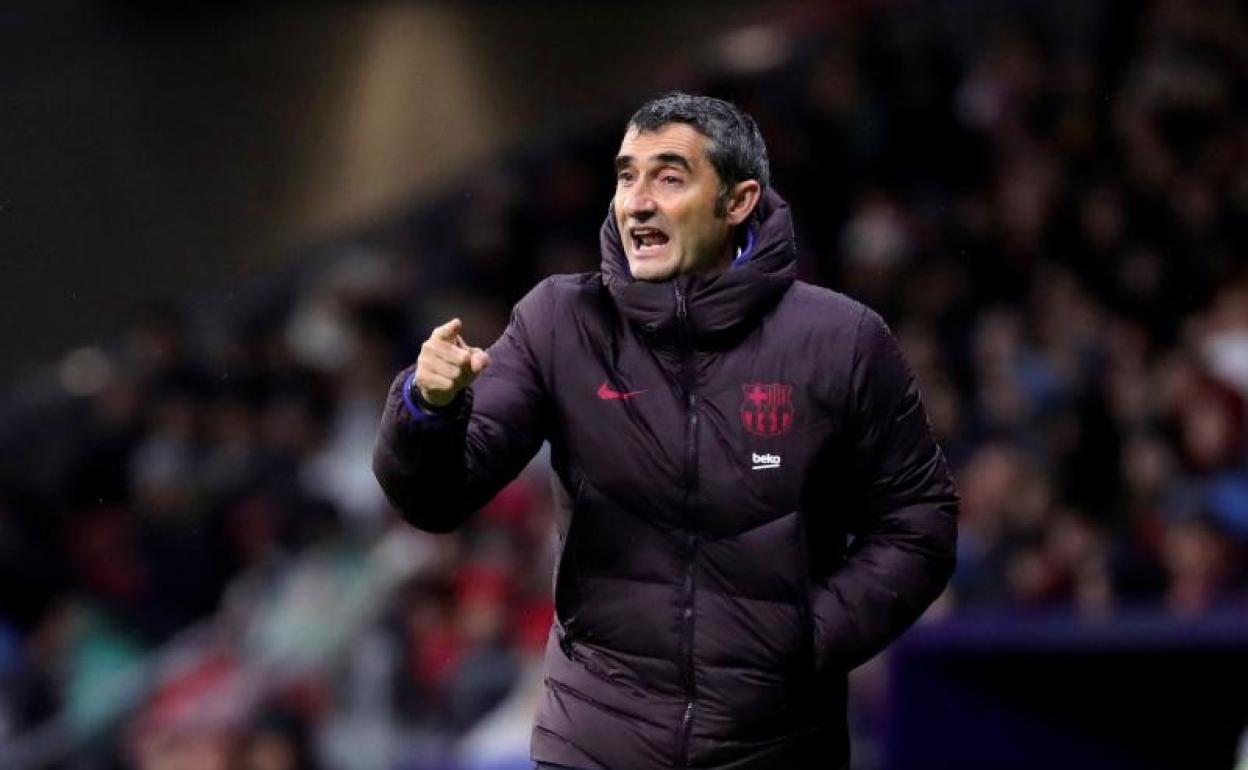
{"x":717,"y":429}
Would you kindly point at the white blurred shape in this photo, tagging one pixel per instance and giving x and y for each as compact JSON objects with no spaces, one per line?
{"x":1226,"y":353}
{"x":85,"y":371}
{"x":753,"y":49}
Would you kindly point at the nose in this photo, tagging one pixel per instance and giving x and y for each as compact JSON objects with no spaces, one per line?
{"x":638,"y":204}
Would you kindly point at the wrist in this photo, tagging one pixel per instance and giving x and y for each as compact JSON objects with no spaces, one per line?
{"x":416,"y":404}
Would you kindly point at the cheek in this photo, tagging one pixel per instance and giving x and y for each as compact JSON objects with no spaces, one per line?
{"x":695,"y":230}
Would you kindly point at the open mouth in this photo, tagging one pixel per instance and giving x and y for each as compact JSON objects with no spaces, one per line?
{"x":647,"y":240}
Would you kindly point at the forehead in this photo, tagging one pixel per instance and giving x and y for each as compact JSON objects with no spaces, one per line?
{"x":673,"y":138}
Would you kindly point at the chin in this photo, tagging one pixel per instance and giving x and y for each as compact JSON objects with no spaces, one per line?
{"x":651,"y":271}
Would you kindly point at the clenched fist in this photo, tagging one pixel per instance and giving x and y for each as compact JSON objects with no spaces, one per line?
{"x":447,"y":364}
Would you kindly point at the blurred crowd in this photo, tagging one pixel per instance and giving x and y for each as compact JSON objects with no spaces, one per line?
{"x":1048,"y":205}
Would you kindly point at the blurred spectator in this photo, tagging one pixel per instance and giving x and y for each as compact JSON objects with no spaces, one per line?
{"x":278,"y":740}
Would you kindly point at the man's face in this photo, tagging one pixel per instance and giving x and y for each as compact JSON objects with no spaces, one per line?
{"x":664,"y":203}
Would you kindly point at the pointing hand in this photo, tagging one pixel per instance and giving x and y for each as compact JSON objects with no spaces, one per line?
{"x":447,"y":364}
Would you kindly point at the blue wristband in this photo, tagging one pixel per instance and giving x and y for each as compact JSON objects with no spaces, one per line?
{"x":414,"y":409}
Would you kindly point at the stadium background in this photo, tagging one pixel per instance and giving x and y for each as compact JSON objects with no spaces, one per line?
{"x":222,"y":229}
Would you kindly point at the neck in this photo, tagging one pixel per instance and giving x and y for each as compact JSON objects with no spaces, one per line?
{"x":723,"y":260}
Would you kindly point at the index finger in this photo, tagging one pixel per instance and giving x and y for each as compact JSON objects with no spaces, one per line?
{"x":447,"y":332}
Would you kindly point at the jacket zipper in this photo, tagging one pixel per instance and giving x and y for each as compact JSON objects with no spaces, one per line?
{"x":688,"y":380}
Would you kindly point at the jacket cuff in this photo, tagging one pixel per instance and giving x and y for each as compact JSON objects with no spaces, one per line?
{"x":419,"y":409}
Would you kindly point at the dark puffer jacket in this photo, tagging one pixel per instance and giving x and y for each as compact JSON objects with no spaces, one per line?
{"x":716,"y":440}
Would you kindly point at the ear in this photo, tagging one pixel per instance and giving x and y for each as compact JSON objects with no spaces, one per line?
{"x":742,"y":200}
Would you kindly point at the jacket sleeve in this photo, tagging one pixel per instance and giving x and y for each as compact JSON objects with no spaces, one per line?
{"x":438,"y":467}
{"x":905,"y":527}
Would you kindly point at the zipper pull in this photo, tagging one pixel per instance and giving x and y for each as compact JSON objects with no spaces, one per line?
{"x":681,"y":311}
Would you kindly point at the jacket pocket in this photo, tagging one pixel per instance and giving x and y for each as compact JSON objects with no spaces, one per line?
{"x":588,"y":658}
{"x":565,"y":572}
{"x":807,"y":586}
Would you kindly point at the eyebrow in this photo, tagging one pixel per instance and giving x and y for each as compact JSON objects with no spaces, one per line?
{"x":663,"y":158}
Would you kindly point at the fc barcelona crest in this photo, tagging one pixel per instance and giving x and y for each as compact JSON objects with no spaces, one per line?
{"x":767,"y":409}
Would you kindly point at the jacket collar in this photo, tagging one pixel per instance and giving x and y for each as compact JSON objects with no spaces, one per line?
{"x":720,"y":306}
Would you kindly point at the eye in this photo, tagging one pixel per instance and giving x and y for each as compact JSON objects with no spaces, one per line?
{"x":624,"y":177}
{"x":671,"y":179}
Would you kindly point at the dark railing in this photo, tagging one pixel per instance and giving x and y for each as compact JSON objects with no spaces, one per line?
{"x":1135,"y":691}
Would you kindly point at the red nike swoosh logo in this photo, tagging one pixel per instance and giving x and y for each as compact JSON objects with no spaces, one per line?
{"x":607,"y":394}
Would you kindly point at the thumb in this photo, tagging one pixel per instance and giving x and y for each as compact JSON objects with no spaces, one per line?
{"x":449,"y":331}
{"x":479,"y":360}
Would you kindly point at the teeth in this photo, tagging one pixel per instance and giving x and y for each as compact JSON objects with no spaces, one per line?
{"x":649,"y":239}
